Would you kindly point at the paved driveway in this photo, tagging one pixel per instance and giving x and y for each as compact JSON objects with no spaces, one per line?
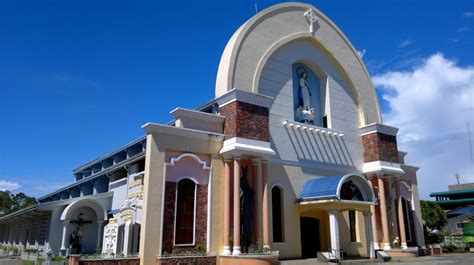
{"x":458,"y":259}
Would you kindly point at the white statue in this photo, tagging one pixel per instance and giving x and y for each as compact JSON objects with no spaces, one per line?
{"x":304,"y":111}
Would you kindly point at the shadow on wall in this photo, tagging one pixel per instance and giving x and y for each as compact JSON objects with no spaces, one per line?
{"x":318,"y":147}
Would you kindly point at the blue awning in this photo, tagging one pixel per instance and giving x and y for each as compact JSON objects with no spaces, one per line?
{"x":462,"y":211}
{"x":322,"y":187}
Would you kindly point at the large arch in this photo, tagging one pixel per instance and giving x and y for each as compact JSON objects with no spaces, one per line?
{"x":94,"y":205}
{"x":256,"y":40}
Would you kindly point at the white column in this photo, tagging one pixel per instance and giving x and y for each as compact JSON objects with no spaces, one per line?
{"x":369,"y":237}
{"x":334,"y":233}
{"x":127,"y":239}
{"x":99,"y":236}
{"x":64,"y":239}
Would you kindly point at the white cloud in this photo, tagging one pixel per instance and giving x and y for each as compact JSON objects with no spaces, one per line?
{"x":431,"y":105}
{"x":405,"y":43}
{"x":8,"y":185}
{"x":465,"y":28}
{"x":361,"y":53}
{"x":468,"y":14}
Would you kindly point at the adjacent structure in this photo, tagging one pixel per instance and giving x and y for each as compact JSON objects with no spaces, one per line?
{"x":291,"y":154}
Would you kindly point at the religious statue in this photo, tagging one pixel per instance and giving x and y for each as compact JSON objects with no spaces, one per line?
{"x":246,"y":203}
{"x":304,"y":111}
{"x":75,"y":240}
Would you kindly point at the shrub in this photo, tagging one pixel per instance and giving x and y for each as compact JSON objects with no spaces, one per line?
{"x":200,"y":248}
{"x":31,"y":250}
{"x":58,"y":258}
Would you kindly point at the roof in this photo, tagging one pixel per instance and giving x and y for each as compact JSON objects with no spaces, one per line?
{"x":452,"y":192}
{"x":322,"y":187}
{"x":461,"y":211}
{"x":469,"y":200}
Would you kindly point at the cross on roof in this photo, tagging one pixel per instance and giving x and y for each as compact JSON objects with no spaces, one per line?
{"x":312,"y":18}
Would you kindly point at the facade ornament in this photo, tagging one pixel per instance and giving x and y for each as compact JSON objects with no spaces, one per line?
{"x":312,"y":19}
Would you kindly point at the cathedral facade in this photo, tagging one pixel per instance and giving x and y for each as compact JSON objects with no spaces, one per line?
{"x":291,"y":158}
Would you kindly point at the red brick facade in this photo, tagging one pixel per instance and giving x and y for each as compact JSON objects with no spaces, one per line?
{"x":380,"y":147}
{"x":245,"y":120}
{"x":168,"y":219}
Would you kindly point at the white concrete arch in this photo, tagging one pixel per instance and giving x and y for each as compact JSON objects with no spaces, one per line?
{"x":94,"y":205}
{"x":361,"y":183}
{"x":256,"y":40}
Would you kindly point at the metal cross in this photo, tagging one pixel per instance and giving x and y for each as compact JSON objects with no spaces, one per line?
{"x":312,"y":18}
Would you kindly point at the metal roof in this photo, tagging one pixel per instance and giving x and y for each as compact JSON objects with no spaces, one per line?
{"x":322,"y":187}
{"x":452,"y":192}
{"x":465,"y":210}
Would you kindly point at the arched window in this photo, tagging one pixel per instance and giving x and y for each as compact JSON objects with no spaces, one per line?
{"x":185,"y":204}
{"x":277,"y":214}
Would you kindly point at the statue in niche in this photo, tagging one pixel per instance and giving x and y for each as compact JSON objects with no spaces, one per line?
{"x":304,"y":112}
{"x":246,"y":210}
{"x":349,"y":191}
{"x":76,"y":236}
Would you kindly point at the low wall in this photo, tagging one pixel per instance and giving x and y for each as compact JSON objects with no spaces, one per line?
{"x":76,"y":260}
{"x":195,"y":260}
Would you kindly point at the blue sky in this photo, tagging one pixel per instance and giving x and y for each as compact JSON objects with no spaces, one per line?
{"x":78,"y":79}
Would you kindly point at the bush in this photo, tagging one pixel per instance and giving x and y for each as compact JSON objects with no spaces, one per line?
{"x":200,"y":248}
{"x":13,"y":249}
{"x":3,"y":247}
{"x":58,"y":258}
{"x":31,"y":250}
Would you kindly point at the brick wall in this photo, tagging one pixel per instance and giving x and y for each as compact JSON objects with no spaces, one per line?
{"x":245,"y":120}
{"x":380,"y":147}
{"x":168,"y":219}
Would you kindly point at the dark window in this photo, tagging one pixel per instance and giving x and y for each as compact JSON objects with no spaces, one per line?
{"x":277,"y":214}
{"x":184,"y":232}
{"x":325,"y":121}
{"x":352,"y":225}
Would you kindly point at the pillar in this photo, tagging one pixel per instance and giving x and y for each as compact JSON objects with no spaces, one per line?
{"x":401,"y":219}
{"x":266,"y":234}
{"x":383,"y":215}
{"x":226,"y":206}
{"x":236,"y":247}
{"x":334,"y":233}
{"x":64,"y":238}
{"x":375,"y":233}
{"x":368,"y":234}
{"x":257,"y":180}
{"x":127,"y":239}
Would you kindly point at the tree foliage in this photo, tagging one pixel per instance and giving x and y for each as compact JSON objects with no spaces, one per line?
{"x":433,"y":215}
{"x":10,"y":202}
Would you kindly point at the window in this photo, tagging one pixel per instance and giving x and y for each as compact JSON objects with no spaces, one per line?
{"x":352,"y":225}
{"x":185,"y":203}
{"x":277,"y":214}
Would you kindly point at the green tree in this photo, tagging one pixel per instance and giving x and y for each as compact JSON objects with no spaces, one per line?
{"x":10,"y":202}
{"x":433,"y":215}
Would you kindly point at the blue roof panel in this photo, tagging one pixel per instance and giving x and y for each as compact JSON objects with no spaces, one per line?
{"x":322,"y":187}
{"x":461,"y":211}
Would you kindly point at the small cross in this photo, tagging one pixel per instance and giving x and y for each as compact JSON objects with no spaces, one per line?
{"x":312,"y":18}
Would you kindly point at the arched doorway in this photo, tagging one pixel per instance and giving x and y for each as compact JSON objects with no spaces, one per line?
{"x":82,"y":227}
{"x":310,"y":237}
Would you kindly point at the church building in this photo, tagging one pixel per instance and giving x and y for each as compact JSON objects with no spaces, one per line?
{"x":291,"y":159}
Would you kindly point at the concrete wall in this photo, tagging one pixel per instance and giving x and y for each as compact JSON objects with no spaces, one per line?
{"x":295,"y":146}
